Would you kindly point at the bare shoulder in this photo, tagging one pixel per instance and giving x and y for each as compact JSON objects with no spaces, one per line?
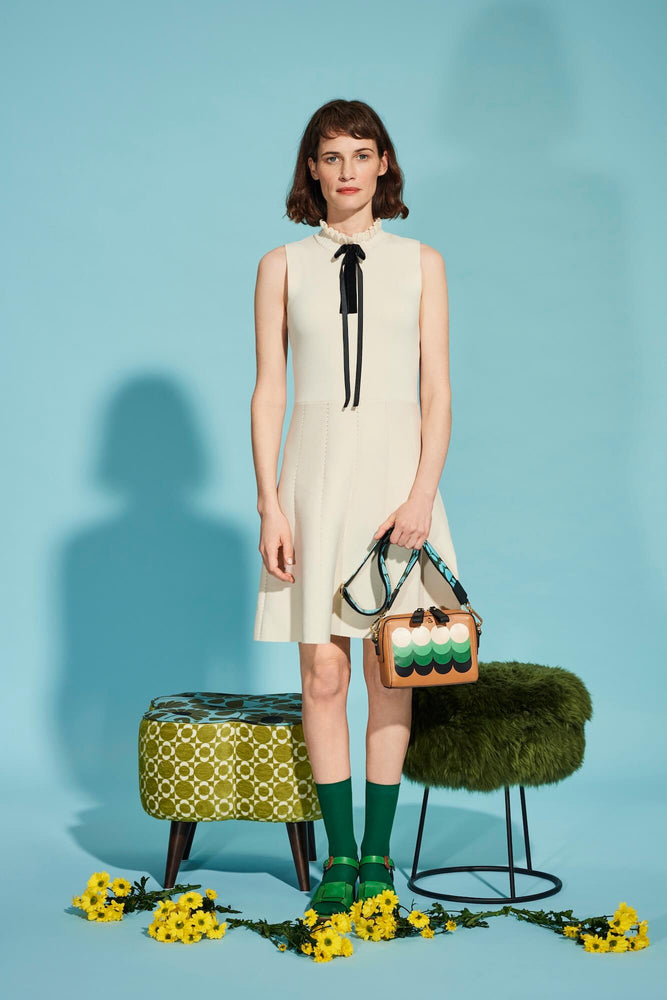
{"x":432,"y":261}
{"x":273,"y":262}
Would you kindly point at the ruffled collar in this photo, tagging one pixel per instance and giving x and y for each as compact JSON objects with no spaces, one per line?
{"x":361,"y":237}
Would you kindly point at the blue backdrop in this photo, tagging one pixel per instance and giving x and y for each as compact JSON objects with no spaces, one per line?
{"x":148,"y":149}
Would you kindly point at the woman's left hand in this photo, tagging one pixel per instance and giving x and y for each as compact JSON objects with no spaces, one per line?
{"x":411,"y":521}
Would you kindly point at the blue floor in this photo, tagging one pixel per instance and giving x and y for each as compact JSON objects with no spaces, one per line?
{"x":605,"y":848}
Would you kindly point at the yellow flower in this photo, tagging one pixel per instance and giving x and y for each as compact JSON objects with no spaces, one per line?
{"x":593,"y":942}
{"x":114,"y":910}
{"x":328,"y":940}
{"x":637,"y":942}
{"x":177,"y":921}
{"x":617,"y":942}
{"x":319,"y":955}
{"x":164,"y":934}
{"x":211,"y":893}
{"x":388,"y":900}
{"x":191,"y":899}
{"x":451,"y":925}
{"x":96,"y":913}
{"x":282,"y":947}
{"x":369,"y":906}
{"x":309,"y":917}
{"x":120,"y":887}
{"x":417,"y":918}
{"x":99,"y":881}
{"x":190,"y":937}
{"x":364,"y":927}
{"x":571,"y":930}
{"x":201,"y":921}
{"x":427,"y":932}
{"x":217,"y":931}
{"x":91,"y":899}
{"x":387,"y":925}
{"x":624,"y":917}
{"x":307,"y":948}
{"x":341,"y":922}
{"x":355,"y":909}
{"x":76,"y":901}
{"x":346,"y":948}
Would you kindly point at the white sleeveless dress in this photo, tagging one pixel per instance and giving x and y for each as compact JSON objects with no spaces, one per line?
{"x":345,"y":468}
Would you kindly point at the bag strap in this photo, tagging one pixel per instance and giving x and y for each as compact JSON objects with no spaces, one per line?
{"x":380,"y":547}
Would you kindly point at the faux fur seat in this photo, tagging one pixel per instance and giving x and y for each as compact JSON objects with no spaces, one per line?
{"x":518,"y":724}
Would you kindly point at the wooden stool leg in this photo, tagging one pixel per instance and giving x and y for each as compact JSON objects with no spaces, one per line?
{"x":298,"y":842}
{"x":310,"y":834}
{"x":178,"y":837}
{"x":188,"y":843}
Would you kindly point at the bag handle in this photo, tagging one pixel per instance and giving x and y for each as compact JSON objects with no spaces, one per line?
{"x":381,"y":546}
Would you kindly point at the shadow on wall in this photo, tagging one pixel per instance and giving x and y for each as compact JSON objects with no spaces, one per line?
{"x":149,"y":600}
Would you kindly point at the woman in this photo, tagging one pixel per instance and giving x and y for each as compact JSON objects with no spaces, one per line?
{"x":361,"y":455}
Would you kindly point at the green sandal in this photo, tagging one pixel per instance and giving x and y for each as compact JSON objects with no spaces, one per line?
{"x":335,"y":892}
{"x":371,"y":887}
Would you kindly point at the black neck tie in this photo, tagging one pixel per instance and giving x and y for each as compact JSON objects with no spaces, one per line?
{"x":350,"y":272}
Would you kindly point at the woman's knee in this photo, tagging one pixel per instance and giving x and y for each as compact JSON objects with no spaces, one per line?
{"x":325,"y":674}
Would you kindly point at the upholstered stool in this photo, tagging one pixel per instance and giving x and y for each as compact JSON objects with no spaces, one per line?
{"x":518,"y":724}
{"x":206,"y":756}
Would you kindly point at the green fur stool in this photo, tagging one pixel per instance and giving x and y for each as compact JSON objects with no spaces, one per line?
{"x":518,"y":724}
{"x":206,"y":756}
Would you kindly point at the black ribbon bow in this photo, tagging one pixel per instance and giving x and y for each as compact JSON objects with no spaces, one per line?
{"x":351,"y":275}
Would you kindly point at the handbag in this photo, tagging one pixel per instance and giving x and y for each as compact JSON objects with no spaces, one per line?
{"x":428,"y":646}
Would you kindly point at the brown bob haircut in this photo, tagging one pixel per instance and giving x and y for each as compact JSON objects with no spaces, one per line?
{"x":305,"y":201}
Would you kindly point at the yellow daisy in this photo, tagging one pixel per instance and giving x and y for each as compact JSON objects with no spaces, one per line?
{"x":191,"y":899}
{"x":211,"y":893}
{"x":120,"y":887}
{"x":624,"y":917}
{"x":309,"y":917}
{"x":282,"y":947}
{"x":190,"y":936}
{"x":571,"y":931}
{"x":99,"y":881}
{"x":328,"y":940}
{"x":451,"y":925}
{"x":417,"y":918}
{"x":218,"y":931}
{"x":427,"y":932}
{"x":307,"y":948}
{"x":346,"y":948}
{"x":164,"y":934}
{"x":356,"y":908}
{"x":341,"y":922}
{"x":320,"y":955}
{"x":364,"y":927}
{"x":91,"y":899}
{"x":593,"y":942}
{"x":617,"y":942}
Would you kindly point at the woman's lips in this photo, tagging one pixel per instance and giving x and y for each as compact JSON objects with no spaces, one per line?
{"x":347,"y":190}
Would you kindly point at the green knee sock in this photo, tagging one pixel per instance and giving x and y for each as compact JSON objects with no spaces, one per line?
{"x":380,"y":810}
{"x":336,"y":805}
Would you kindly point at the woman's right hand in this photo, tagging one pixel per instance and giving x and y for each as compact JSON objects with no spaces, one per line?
{"x":275,"y":545}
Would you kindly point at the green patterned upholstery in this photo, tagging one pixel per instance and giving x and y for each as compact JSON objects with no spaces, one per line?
{"x":208,"y":756}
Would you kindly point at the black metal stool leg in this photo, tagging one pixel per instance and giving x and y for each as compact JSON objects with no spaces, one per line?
{"x":510,"y":853}
{"x":510,"y":867}
{"x":420,"y":831}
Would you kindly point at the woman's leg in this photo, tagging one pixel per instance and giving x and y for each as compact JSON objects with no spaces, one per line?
{"x":325,"y":679}
{"x":387,"y":737}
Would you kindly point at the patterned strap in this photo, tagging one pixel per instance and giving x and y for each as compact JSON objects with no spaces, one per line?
{"x":380,"y":547}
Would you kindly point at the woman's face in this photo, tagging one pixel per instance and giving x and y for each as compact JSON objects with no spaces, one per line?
{"x":347,"y":169}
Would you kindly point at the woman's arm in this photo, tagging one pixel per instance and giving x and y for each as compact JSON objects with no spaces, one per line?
{"x":267,"y":407}
{"x":435,"y":387}
{"x":412,"y":520}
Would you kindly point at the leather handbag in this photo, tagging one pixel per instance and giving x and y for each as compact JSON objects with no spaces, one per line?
{"x":428,"y":646}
